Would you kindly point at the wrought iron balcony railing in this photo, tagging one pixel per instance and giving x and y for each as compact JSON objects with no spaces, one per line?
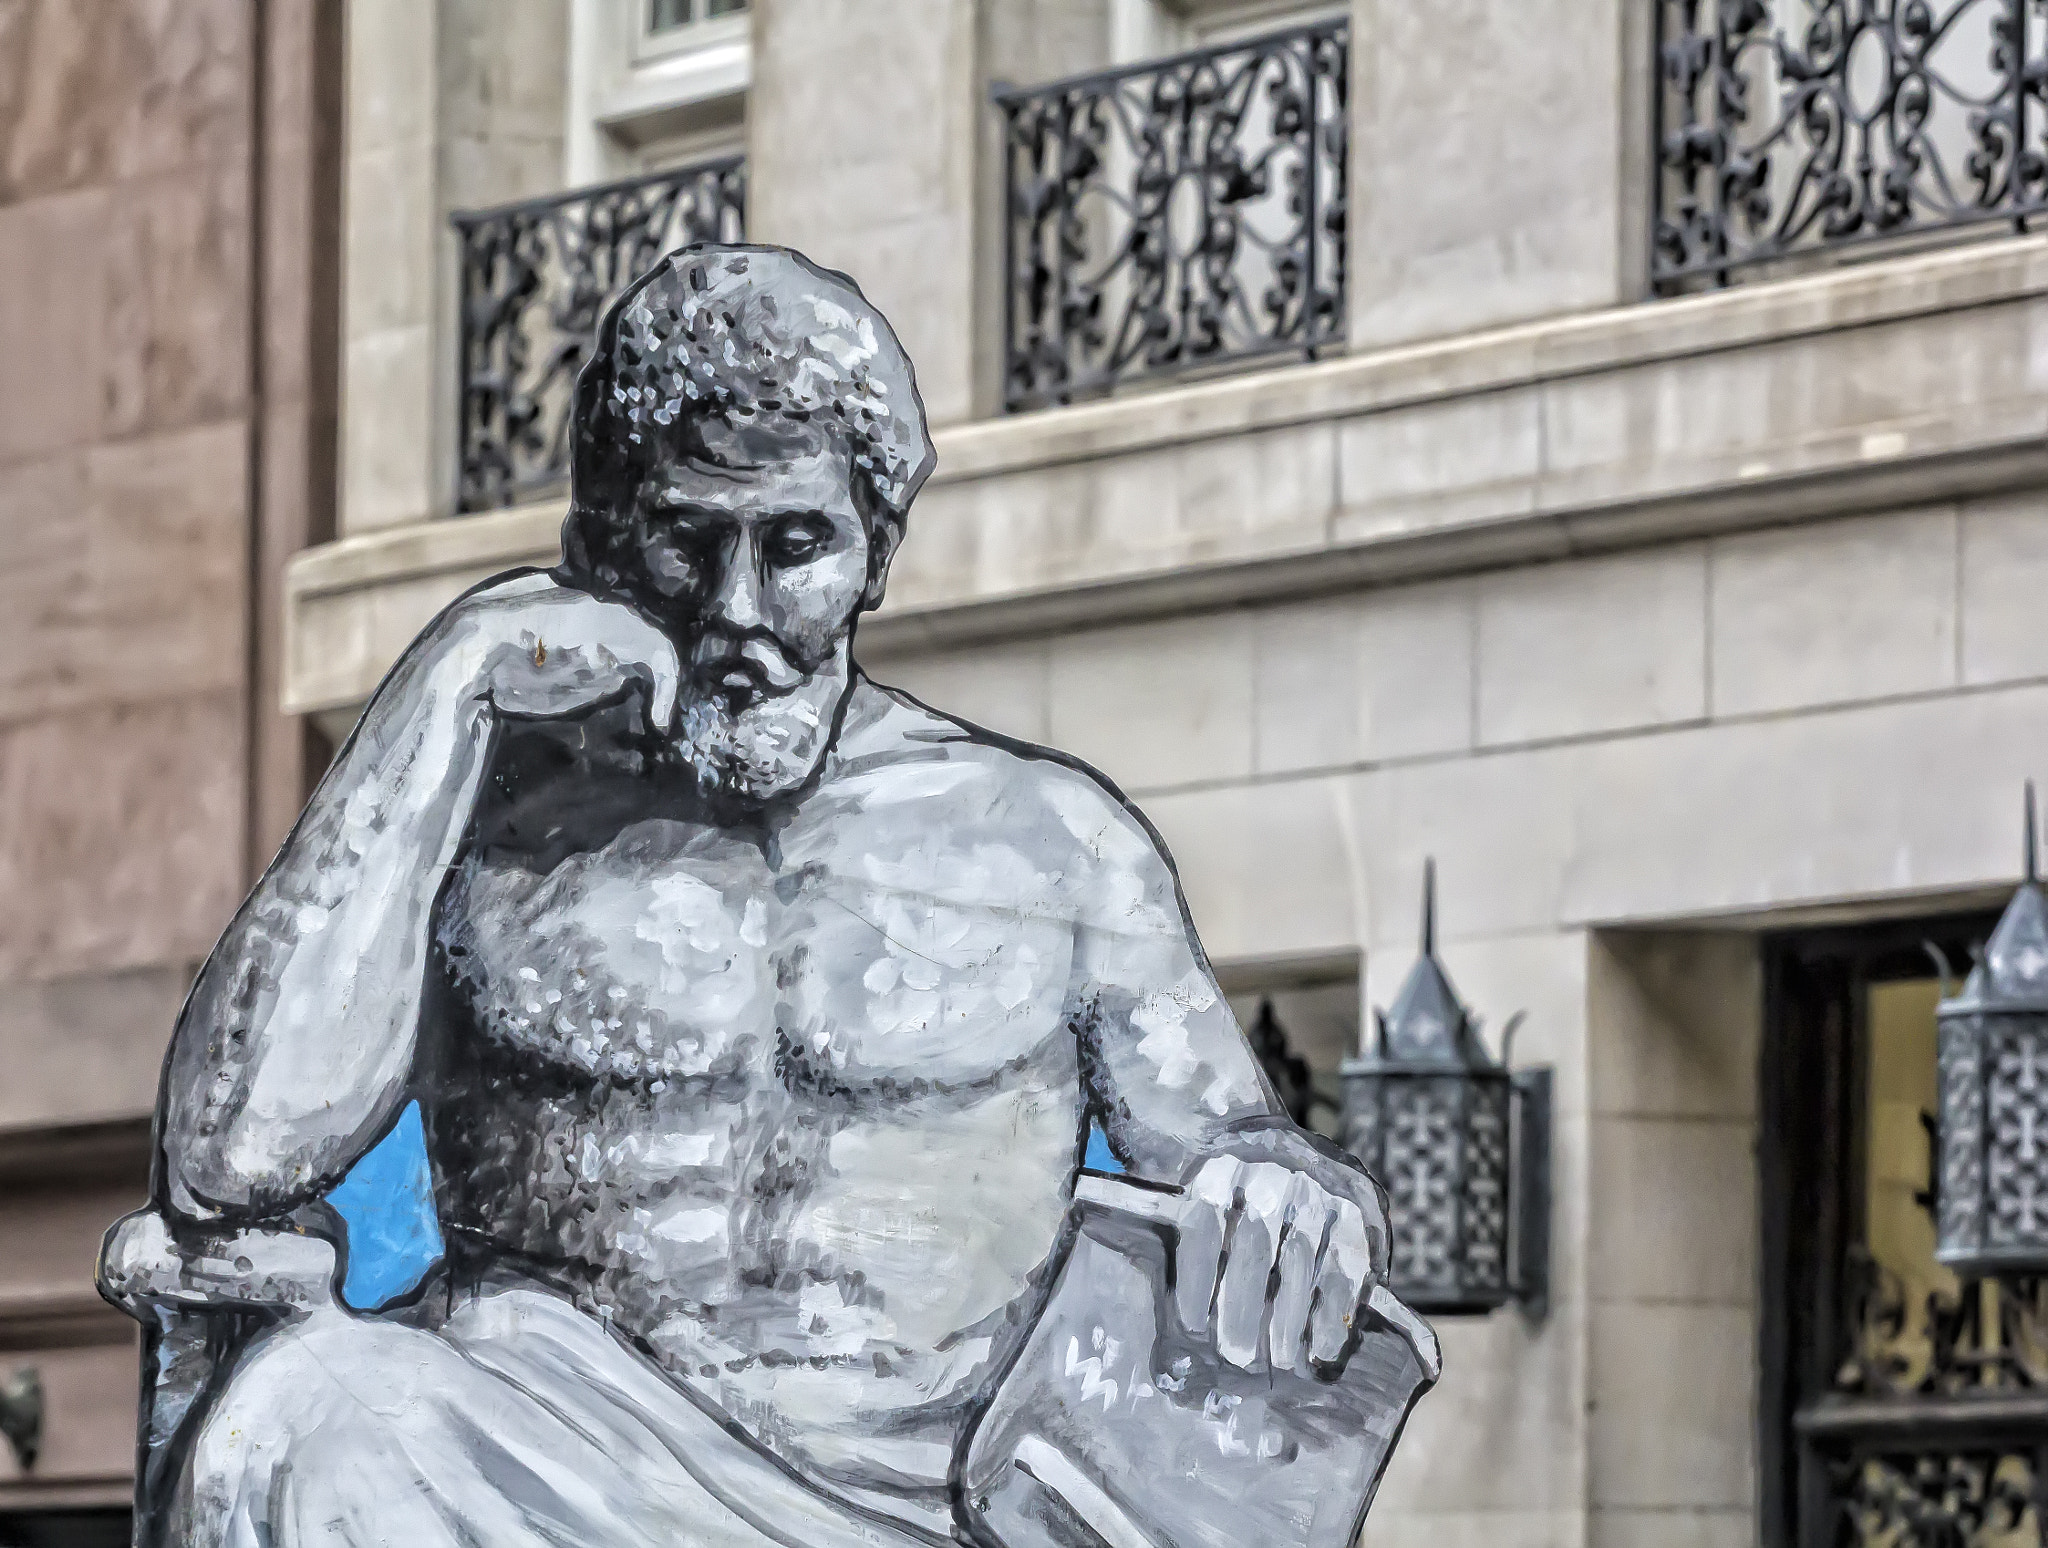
{"x":535,"y":279}
{"x":1183,"y":214}
{"x":1801,"y":128}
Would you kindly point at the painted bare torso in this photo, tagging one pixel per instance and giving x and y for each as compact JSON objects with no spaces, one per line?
{"x":800,"y":1108}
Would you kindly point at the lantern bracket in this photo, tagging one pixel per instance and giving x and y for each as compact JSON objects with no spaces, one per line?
{"x":1533,"y":1102}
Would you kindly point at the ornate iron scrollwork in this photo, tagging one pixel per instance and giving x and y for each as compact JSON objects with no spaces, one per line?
{"x":1789,"y":127}
{"x":1980,"y":1497}
{"x":535,"y":279}
{"x":1185,"y":213}
{"x":1988,"y":1337}
{"x":1935,"y":1437}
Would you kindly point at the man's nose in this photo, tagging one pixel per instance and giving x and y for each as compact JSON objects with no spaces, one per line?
{"x":736,"y":598}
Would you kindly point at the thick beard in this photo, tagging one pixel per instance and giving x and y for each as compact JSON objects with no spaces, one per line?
{"x":766,"y":749}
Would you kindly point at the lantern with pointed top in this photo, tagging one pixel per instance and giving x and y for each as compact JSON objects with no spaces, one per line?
{"x":1991,"y":1180}
{"x":1460,"y":1143}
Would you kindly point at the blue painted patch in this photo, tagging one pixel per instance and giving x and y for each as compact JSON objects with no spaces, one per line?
{"x":394,"y":1235}
{"x":1100,"y":1158}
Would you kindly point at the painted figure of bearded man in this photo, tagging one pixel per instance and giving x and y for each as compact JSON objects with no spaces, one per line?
{"x":757,"y":1017}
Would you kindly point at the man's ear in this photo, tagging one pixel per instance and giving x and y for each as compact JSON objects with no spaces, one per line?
{"x":884,"y":536}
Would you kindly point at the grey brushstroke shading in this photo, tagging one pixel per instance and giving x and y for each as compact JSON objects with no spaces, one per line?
{"x":758,"y":1015}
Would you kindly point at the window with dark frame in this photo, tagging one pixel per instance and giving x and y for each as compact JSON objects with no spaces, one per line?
{"x":667,"y":15}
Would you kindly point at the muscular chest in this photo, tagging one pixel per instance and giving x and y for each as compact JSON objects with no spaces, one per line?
{"x":675,"y":952}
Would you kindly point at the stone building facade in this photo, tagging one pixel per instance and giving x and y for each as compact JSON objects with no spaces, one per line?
{"x":168,"y":221}
{"x":1686,"y":612}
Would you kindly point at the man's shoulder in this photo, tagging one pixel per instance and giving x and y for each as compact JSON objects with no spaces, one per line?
{"x":898,"y":753}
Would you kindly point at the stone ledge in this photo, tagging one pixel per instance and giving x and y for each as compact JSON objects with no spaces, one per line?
{"x":1883,"y":385}
{"x":60,"y":1319}
{"x":1550,"y":349}
{"x":110,"y":1490}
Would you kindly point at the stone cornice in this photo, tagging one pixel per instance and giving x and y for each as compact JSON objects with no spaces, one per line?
{"x":1911,"y":380}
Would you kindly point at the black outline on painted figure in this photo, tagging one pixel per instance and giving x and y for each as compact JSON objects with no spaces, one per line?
{"x":758,"y":1016}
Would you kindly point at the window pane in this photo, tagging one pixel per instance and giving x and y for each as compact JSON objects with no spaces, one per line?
{"x":1901,"y":1086}
{"x":723,"y":7}
{"x":664,"y":15}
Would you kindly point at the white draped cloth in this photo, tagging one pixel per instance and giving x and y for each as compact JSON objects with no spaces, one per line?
{"x":505,"y":1418}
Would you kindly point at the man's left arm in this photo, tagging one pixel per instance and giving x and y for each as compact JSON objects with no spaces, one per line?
{"x":1181,"y":1099}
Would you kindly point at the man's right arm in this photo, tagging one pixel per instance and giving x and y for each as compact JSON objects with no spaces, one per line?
{"x":296,"y":1046}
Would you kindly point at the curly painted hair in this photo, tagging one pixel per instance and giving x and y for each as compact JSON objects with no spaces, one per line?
{"x":733,"y":334}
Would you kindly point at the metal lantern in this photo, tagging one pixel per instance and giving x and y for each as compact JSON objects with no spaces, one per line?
{"x":1460,"y":1142}
{"x":1991,"y":1192}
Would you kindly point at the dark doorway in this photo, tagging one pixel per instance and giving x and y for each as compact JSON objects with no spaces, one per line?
{"x":1898,"y":1407}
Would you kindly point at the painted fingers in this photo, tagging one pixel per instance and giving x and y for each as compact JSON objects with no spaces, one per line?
{"x":544,"y":650}
{"x":1271,"y":1264}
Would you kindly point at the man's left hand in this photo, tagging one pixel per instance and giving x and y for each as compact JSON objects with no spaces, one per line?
{"x":1245,"y":1217}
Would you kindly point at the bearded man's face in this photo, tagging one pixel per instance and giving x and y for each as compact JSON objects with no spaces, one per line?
{"x":755,"y":557}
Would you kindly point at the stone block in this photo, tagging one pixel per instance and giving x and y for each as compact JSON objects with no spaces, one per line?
{"x":390,"y":470}
{"x":1701,"y":822}
{"x":44,"y":521}
{"x":485,"y":168}
{"x":953,"y":525}
{"x":1506,"y":1429}
{"x":504,"y":69}
{"x":1674,"y":1022}
{"x":1268,"y":870}
{"x":393,"y":73}
{"x":1460,"y":460}
{"x":126,"y":577}
{"x":1672,"y":1393}
{"x":1593,"y":645}
{"x":1034,"y":528}
{"x":1906,"y":799}
{"x":1416,"y":666}
{"x":1502,"y":832}
{"x":1484,"y":170}
{"x":1157,"y":705}
{"x":1674,"y":1211}
{"x":177,"y":83}
{"x":168,"y":556}
{"x":1364,"y":678}
{"x":1237,"y":495}
{"x":53,"y":1231}
{"x":2004,"y":581}
{"x":87,"y":1047}
{"x":1672,"y":1529}
{"x":1853,"y":609}
{"x":1040,"y":40}
{"x":53,"y":252}
{"x":1305,"y":697}
{"x":176,"y":334}
{"x":104,"y":90}
{"x":1387,"y":1528}
{"x":120,"y":836}
{"x":393,"y":229}
{"x":1003,"y":688}
{"x":1843,"y":400}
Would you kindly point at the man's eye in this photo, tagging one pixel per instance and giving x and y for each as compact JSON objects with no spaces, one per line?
{"x":796,"y":545}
